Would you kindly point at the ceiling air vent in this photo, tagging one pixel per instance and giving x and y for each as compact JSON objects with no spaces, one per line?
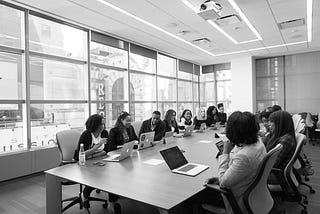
{"x":201,"y":41}
{"x":228,"y":20}
{"x":291,"y":23}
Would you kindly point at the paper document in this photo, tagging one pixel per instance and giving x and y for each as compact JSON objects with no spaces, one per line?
{"x":154,"y":162}
{"x":205,"y":141}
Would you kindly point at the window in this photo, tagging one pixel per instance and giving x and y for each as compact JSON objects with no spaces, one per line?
{"x":269,"y":82}
{"x":224,"y":88}
{"x":142,"y":82}
{"x":12,"y":81}
{"x":57,"y":39}
{"x":166,"y":66}
{"x":141,"y":63}
{"x":207,"y":89}
{"x":58,"y":79}
{"x":11,"y":27}
{"x":167,"y":89}
{"x":109,"y":80}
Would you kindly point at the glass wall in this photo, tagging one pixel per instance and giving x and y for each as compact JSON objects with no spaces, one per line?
{"x":54,"y":77}
{"x":269,"y":82}
{"x":12,"y":80}
{"x":216,"y":86}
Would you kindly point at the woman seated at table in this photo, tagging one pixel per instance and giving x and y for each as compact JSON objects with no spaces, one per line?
{"x":94,"y":140}
{"x":123,"y":132}
{"x":239,"y":163}
{"x":170,"y":121}
{"x":212,"y":116}
{"x":185,"y":119}
{"x":281,"y":132}
{"x":200,"y":118}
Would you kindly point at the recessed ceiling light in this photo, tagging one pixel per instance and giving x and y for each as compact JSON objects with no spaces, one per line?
{"x":153,"y":26}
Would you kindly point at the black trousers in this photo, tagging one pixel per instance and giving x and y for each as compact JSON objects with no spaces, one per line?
{"x":207,"y":196}
{"x":87,"y":191}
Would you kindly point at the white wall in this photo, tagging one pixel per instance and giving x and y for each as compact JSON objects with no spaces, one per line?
{"x":243,"y":84}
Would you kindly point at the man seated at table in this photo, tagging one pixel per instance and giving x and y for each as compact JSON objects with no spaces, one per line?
{"x":154,"y":124}
{"x":222,"y":117}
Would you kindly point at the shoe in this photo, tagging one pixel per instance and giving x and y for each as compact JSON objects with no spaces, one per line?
{"x":117,"y":208}
{"x":85,"y":202}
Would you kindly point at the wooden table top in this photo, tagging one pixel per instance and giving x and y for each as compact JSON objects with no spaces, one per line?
{"x":151,"y":184}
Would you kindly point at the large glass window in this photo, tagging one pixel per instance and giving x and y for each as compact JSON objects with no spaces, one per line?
{"x":167,"y":89}
{"x":109,"y":81}
{"x":11,"y":27}
{"x":143,"y":87}
{"x":142,"y":111}
{"x":224,"y":88}
{"x":56,"y":80}
{"x":269,"y":84}
{"x":167,"y":66}
{"x":141,"y":63}
{"x":207,"y":89}
{"x":54,"y":38}
{"x":11,"y":79}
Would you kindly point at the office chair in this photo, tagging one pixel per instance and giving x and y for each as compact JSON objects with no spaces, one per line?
{"x":257,"y":198}
{"x":300,"y":164}
{"x":67,"y":141}
{"x":288,"y":190}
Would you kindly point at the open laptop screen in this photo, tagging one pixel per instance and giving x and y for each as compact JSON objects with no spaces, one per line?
{"x":174,"y":157}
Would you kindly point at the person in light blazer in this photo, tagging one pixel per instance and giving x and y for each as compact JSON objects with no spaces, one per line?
{"x":239,"y":162}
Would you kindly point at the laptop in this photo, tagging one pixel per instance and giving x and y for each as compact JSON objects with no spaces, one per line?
{"x":125,"y":152}
{"x":168,"y":137}
{"x":201,"y":128}
{"x":187,"y":132}
{"x":179,"y":164}
{"x":146,"y":140}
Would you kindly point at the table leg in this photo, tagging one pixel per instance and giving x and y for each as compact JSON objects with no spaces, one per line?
{"x":53,"y":195}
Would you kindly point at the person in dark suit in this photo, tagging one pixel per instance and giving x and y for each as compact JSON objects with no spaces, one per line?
{"x":123,"y":132}
{"x":212,"y":116}
{"x":170,"y":121}
{"x":154,"y":124}
{"x":222,"y":117}
{"x":95,"y":140}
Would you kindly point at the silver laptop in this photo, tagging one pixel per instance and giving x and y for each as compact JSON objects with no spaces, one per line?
{"x":187,"y":132}
{"x":146,"y":140}
{"x":168,"y":137}
{"x":201,"y":128}
{"x":125,"y":152}
{"x":179,"y":164}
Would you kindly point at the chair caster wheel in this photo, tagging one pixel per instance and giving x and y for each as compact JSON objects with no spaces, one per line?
{"x":312,"y":191}
{"x":98,"y":191}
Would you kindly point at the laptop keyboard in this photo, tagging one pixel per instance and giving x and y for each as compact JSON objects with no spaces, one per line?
{"x":187,"y":168}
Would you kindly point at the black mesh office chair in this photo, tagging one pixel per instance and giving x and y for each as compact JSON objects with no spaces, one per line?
{"x":67,"y":142}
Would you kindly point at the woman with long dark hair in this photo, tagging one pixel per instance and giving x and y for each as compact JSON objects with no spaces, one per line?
{"x":212,"y":116}
{"x":95,"y":140}
{"x":170,"y":121}
{"x":186,"y":118}
{"x":123,"y":132}
{"x":281,"y":131}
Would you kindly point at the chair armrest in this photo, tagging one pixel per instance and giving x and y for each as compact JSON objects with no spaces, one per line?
{"x":68,"y":162}
{"x":217,"y":188}
{"x":277,"y":171}
{"x":229,"y":195}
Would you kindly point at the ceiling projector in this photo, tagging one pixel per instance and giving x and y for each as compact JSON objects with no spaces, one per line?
{"x":210,"y":10}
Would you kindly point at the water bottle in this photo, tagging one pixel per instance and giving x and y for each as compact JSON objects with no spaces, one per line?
{"x":82,"y":156}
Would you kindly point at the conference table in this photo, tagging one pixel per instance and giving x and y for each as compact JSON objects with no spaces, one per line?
{"x":135,"y":178}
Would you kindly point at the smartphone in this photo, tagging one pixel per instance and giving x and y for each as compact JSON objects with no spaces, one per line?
{"x":220,"y":146}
